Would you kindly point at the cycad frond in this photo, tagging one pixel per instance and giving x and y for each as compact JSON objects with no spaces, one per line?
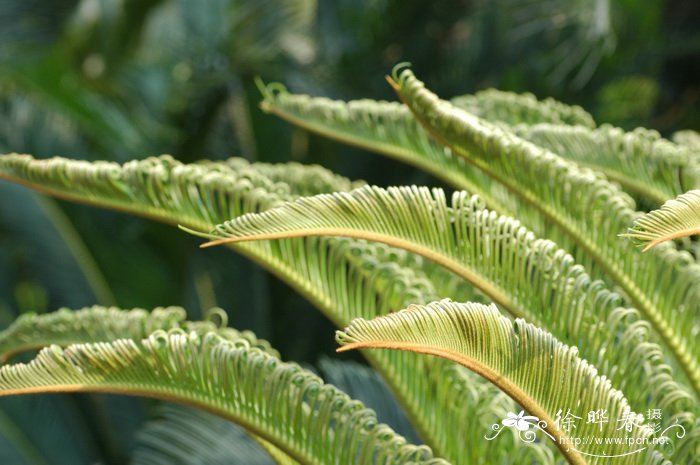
{"x":584,"y":212}
{"x":520,"y":359}
{"x":511,"y":108}
{"x":687,"y":138}
{"x":105,"y":324}
{"x":679,"y":217}
{"x":387,"y":128}
{"x":277,"y":401}
{"x":344,"y":278}
{"x":528,"y":277}
{"x":641,"y":161}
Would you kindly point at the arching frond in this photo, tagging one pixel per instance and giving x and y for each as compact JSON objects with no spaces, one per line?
{"x":526,"y":276}
{"x":688,"y":138}
{"x":105,"y":324}
{"x":641,"y":161}
{"x":584,"y":213}
{"x":344,"y":278}
{"x":679,"y":217}
{"x":512,"y":109}
{"x":387,"y":128}
{"x":277,"y":401}
{"x":521,"y":360}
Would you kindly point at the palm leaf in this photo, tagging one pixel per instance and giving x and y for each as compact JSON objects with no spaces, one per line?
{"x":679,"y":217}
{"x":521,"y":359}
{"x":528,"y":277}
{"x":573,"y":200}
{"x":641,"y":161}
{"x":687,"y":138}
{"x":279,"y":402}
{"x":105,"y":324}
{"x":387,"y":128}
{"x":512,"y":109}
{"x":343,"y":278}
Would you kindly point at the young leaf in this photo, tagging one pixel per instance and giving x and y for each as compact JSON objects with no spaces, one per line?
{"x":679,"y":217}
{"x":387,"y":128}
{"x":584,"y":212}
{"x":343,"y":278}
{"x":542,"y":375}
{"x":105,"y":324}
{"x":641,"y":161}
{"x":513,"y":109}
{"x":277,"y":401}
{"x":527,"y":276}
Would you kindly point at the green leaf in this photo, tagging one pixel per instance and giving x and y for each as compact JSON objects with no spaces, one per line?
{"x":526,"y":276}
{"x":687,"y":138}
{"x":584,"y":213}
{"x":679,"y":217}
{"x":277,"y":401}
{"x":641,"y":161}
{"x":522,"y":360}
{"x":343,"y":278}
{"x":511,"y":108}
{"x":105,"y":324}
{"x":386,"y":128}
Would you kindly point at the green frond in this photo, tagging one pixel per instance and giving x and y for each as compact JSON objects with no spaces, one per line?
{"x":163,"y":188}
{"x":641,"y":161}
{"x":521,"y":360}
{"x":687,"y":138}
{"x":679,"y":217}
{"x":345,"y":279}
{"x":511,"y":108}
{"x":279,"y":402}
{"x":584,"y":214}
{"x":65,"y":327}
{"x":185,"y":436}
{"x":387,"y":128}
{"x":528,"y":277}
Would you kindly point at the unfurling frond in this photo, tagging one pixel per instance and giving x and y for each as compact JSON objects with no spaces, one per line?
{"x":688,"y":138}
{"x":387,"y":128}
{"x":585,"y":214}
{"x":521,"y":359}
{"x":528,"y":277}
{"x":511,"y":108}
{"x":279,"y":402}
{"x":642,"y":161}
{"x":105,"y":324}
{"x":344,"y":278}
{"x":679,"y":217}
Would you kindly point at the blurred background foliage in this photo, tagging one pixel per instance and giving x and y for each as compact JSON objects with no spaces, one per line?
{"x":126,"y":79}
